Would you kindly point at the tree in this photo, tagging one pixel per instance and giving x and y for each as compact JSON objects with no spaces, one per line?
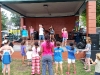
{"x":83,"y":15}
{"x":4,"y":20}
{"x":15,"y":18}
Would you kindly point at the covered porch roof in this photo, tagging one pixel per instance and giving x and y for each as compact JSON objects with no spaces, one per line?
{"x":45,"y":8}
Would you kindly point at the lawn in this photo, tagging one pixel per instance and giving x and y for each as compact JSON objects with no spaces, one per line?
{"x":18,"y":69}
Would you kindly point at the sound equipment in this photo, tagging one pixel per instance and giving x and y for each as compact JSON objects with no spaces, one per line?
{"x":93,"y":54}
{"x":95,"y":41}
{"x":36,"y":35}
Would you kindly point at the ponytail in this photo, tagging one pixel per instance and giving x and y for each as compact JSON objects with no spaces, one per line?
{"x":47,"y":38}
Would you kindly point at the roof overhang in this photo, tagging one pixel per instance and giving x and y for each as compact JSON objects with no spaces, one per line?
{"x":44,"y":8}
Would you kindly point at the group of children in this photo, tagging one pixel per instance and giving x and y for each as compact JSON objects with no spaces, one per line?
{"x":34,"y":57}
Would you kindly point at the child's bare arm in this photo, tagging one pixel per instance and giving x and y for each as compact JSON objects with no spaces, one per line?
{"x":94,"y":63}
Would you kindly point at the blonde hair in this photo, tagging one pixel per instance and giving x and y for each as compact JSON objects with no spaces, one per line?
{"x":98,"y":56}
{"x":88,"y":40}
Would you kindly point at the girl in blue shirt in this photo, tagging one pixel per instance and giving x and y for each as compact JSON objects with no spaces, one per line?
{"x":58,"y":58}
{"x":71,"y":57}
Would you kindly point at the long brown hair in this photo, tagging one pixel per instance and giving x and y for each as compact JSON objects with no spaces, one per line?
{"x":47,"y":38}
{"x":36,"y":46}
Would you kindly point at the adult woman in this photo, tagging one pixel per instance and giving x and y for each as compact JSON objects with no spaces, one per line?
{"x":47,"y":50}
{"x":6,"y":57}
{"x":52,"y":32}
{"x":88,"y":54}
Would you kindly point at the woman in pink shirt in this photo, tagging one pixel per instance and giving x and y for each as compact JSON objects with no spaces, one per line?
{"x":47,"y":50}
{"x":31,"y":33}
{"x":65,"y":36}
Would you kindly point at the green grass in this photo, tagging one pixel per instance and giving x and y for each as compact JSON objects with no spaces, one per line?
{"x":18,"y":69}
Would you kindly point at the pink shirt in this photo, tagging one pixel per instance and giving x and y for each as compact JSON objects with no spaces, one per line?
{"x":65,"y":34}
{"x":31,"y":30}
{"x":47,"y":50}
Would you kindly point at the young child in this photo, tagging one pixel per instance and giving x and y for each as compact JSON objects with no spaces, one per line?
{"x":65,"y":36}
{"x":29,"y":57}
{"x":36,"y":59}
{"x":88,"y":54}
{"x":7,"y":51}
{"x":97,"y":64}
{"x":71,"y":57}
{"x":58,"y":58}
{"x":23,"y":51}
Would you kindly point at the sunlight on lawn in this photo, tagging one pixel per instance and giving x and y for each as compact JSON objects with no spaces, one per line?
{"x":18,"y":69}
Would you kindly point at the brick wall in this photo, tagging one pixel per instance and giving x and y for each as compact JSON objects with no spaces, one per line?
{"x":57,"y":23}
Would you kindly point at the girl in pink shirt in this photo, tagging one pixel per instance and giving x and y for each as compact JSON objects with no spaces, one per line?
{"x":65,"y":36}
{"x":47,"y":50}
{"x":31,"y":33}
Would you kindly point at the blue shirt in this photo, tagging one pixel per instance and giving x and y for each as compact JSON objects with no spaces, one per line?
{"x":24,"y":33}
{"x":71,"y":53}
{"x":58,"y":54}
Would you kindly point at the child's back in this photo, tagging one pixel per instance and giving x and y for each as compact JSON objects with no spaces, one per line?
{"x":71,"y":53}
{"x":58,"y":53}
{"x":29,"y":55}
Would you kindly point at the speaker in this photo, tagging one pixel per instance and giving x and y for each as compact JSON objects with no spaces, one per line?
{"x":93,"y":54}
{"x":95,"y":41}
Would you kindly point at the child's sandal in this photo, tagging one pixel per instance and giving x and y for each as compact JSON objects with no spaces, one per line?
{"x":67,"y":73}
{"x":74,"y":72}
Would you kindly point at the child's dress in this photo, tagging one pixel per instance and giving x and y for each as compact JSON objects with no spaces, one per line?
{"x":6,"y":59}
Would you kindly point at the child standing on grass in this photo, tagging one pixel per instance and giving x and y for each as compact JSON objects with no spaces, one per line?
{"x":58,"y":58}
{"x":97,"y":64}
{"x":23,"y":51}
{"x":29,"y":57}
{"x":6,"y":56}
{"x":71,"y":57}
{"x":88,"y":54}
{"x":36,"y":59}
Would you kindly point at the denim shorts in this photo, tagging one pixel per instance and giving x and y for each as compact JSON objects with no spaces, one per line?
{"x":96,"y":73}
{"x":41,"y":37}
{"x":64,"y":39}
{"x":88,"y":55}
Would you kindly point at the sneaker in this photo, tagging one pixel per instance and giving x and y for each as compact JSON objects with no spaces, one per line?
{"x":67,"y":73}
{"x":74,"y":72}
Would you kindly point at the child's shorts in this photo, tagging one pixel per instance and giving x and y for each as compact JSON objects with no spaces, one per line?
{"x":29,"y":60}
{"x":2,"y":65}
{"x":97,"y":73}
{"x":88,"y":55}
{"x":60,"y":62}
{"x":71,"y":61}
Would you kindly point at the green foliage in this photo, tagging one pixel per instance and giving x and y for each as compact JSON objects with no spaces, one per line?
{"x":15,"y":18}
{"x":83,"y":15}
{"x":4,"y":20}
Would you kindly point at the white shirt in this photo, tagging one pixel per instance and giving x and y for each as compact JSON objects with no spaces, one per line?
{"x":97,"y":66}
{"x":41,"y":31}
{"x":29,"y":54}
{"x":35,"y":52}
